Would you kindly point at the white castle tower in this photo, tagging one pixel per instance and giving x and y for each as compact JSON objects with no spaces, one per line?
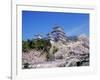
{"x":58,"y":34}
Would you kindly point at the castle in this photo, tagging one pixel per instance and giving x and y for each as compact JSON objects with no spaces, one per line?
{"x":57,"y":34}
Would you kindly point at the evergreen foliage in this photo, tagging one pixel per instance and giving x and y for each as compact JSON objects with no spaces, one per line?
{"x":38,"y":44}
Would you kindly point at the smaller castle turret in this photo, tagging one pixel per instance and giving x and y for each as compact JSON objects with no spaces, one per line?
{"x":38,"y":36}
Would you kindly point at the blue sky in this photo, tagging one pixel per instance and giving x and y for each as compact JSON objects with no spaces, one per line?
{"x":43,"y":22}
